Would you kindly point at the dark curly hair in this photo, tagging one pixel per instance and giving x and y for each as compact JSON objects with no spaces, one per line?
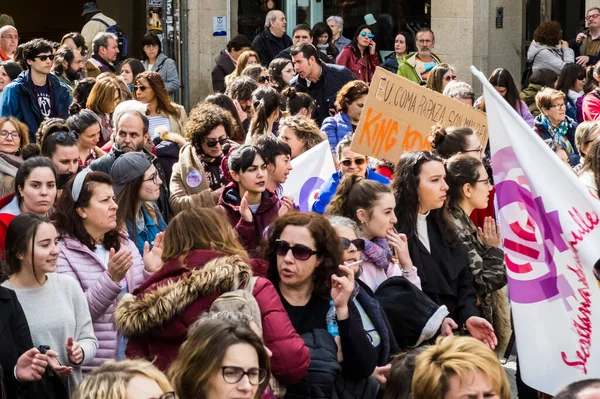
{"x":548,"y":33}
{"x":203,"y":119}
{"x":327,"y":244}
{"x":349,"y":93}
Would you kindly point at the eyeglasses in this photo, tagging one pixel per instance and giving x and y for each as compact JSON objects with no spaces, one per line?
{"x":263,"y":79}
{"x":11,"y":37}
{"x":358,"y":243}
{"x":45,"y":57}
{"x":424,"y":41}
{"x":61,"y":136}
{"x":233,"y":375}
{"x":140,"y":88}
{"x":151,"y":45}
{"x":478,"y":149}
{"x":449,"y":78}
{"x":581,"y":77}
{"x":487,"y":182}
{"x":5,"y":133}
{"x":559,"y":106}
{"x":369,"y":35}
{"x":154,"y":178}
{"x":357,"y":162}
{"x":167,"y":395}
{"x":593,"y":16}
{"x":213,"y":143}
{"x":300,"y":252}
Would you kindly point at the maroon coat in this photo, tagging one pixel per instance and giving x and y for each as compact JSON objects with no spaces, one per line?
{"x":157,"y":330}
{"x":363,"y":67}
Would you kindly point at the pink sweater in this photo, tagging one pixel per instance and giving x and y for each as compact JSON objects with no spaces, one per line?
{"x":79,"y":262}
{"x":373,"y":276}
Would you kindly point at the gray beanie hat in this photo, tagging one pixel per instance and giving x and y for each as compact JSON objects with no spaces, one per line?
{"x":127,"y":168}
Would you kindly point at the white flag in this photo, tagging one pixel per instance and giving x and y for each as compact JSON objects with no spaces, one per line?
{"x":311,"y":170}
{"x":550,"y":234}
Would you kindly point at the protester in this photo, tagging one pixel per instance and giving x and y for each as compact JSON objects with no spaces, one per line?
{"x":302,"y":34}
{"x":281,"y":71}
{"x":305,"y":264}
{"x":350,"y":163}
{"x":102,"y":101}
{"x":76,"y":41}
{"x":273,"y":39}
{"x":439,"y":77}
{"x":36,"y":94}
{"x":558,"y":150}
{"x":457,"y":367}
{"x":156,"y":61}
{"x":136,"y":185}
{"x":54,"y":305}
{"x":105,"y":51}
{"x":81,"y":92}
{"x":9,"y":40}
{"x":125,"y":379}
{"x":323,"y":40}
{"x":68,"y":66}
{"x":259,"y":73}
{"x":87,"y":126}
{"x":247,"y":57}
{"x":300,"y":104}
{"x":277,"y":155}
{"x":590,"y":107}
{"x":505,"y":85}
{"x":336,"y":24}
{"x":548,"y":50}
{"x":349,"y":103}
{"x":538,"y":80}
{"x":214,"y":360}
{"x":9,"y":71}
{"x":201,"y":251}
{"x":589,"y":173}
{"x":401,"y":373}
{"x":96,"y":22}
{"x":300,"y":134}
{"x":238,"y":134}
{"x":570,"y":82}
{"x":129,"y":70}
{"x":553,"y":122}
{"x":585,"y":134}
{"x":240,"y":91}
{"x":417,"y":66}
{"x":59,"y":145}
{"x":249,"y":206}
{"x":13,"y":137}
{"x":584,"y":389}
{"x":226,"y":61}
{"x":460,"y":91}
{"x":361,"y":56}
{"x":198,"y":180}
{"x":402,"y":45}
{"x":420,"y":191}
{"x":320,"y":80}
{"x":265,"y":101}
{"x":586,"y":43}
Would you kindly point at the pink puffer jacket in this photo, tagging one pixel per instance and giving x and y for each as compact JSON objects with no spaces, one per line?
{"x":79,"y":262}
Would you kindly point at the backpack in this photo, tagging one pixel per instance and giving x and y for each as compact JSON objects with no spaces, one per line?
{"x":122,"y":40}
{"x":527,"y":72}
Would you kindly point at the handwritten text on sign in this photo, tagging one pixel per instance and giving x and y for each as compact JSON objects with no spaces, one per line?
{"x":399,"y":114}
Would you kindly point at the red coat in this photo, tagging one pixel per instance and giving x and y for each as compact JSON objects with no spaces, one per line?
{"x":362,"y":67}
{"x":478,"y":215}
{"x":154,"y":334}
{"x":5,"y":219}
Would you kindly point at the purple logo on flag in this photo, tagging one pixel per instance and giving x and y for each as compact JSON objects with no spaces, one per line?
{"x":309,"y":193}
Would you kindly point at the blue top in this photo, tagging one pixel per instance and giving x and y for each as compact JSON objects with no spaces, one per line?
{"x":151,"y":229}
{"x":329,"y":188}
{"x":336,"y":128}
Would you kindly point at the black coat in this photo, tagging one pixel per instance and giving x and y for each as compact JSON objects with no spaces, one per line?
{"x":445,"y":274}
{"x":287,"y":54}
{"x":325,"y":90}
{"x":223,"y":68}
{"x":267,"y":46}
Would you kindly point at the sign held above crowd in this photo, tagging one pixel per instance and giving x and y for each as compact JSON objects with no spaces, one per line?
{"x":398,"y":116}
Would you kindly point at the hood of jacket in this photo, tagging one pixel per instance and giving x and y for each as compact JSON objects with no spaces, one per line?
{"x":535,"y":48}
{"x":410,"y":59}
{"x":138,"y":315}
{"x":230,"y":199}
{"x":7,"y":168}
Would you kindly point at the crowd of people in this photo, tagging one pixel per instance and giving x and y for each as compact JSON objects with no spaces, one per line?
{"x":149,"y":251}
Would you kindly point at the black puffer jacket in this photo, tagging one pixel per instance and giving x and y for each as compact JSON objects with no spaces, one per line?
{"x":267,"y":46}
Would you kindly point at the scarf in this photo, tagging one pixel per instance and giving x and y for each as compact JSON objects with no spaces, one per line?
{"x":377,"y":252}
{"x":558,"y":133}
{"x":212,"y":167}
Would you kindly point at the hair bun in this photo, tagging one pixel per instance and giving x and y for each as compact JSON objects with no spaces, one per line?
{"x":289,"y":92}
{"x":438,"y":135}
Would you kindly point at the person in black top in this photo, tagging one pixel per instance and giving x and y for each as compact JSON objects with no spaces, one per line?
{"x":273,"y":39}
{"x":305,"y":256}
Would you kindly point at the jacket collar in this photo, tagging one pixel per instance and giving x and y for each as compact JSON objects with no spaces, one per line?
{"x":230,"y":198}
{"x":103,"y":62}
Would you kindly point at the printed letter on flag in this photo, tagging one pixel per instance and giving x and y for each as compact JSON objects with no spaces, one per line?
{"x":550,"y":234}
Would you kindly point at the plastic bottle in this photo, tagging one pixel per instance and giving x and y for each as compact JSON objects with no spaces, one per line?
{"x":331,"y":319}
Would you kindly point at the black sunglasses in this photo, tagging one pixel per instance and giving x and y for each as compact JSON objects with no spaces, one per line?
{"x":45,"y":57}
{"x":263,"y":79}
{"x":300,"y":252}
{"x":358,"y":243}
{"x":357,"y":161}
{"x":213,"y":143}
{"x":140,"y":88}
{"x":61,"y":136}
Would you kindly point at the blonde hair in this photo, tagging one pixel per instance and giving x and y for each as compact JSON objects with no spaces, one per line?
{"x":456,"y":356}
{"x":545,"y":97}
{"x":241,"y":64}
{"x":102,"y":96}
{"x":584,"y":131}
{"x":306,"y":130}
{"x":109,"y":381}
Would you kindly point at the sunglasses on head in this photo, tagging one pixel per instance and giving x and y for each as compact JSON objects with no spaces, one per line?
{"x":263,"y":79}
{"x":45,"y":57}
{"x":370,"y":35}
{"x":213,"y":143}
{"x":357,"y":161}
{"x":358,"y":243}
{"x":140,"y":88}
{"x":299,"y":251}
{"x":61,"y":136}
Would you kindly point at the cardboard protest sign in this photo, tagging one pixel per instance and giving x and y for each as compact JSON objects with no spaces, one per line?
{"x":399,"y":114}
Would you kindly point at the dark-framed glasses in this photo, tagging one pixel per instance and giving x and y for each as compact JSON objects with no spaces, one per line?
{"x":61,"y":136}
{"x":233,"y":375}
{"x":478,"y":149}
{"x":559,"y":106}
{"x":13,"y":135}
{"x":299,"y":251}
{"x":213,"y":143}
{"x":263,"y":79}
{"x":487,"y":182}
{"x":44,"y":57}
{"x":358,"y":243}
{"x":154,"y":178}
{"x":167,"y":395}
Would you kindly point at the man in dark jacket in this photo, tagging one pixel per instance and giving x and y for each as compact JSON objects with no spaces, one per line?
{"x":226,"y":61}
{"x":131,"y":134}
{"x":325,"y":79}
{"x":105,"y":50}
{"x":301,"y":34}
{"x":274,"y":39}
{"x":36,"y":94}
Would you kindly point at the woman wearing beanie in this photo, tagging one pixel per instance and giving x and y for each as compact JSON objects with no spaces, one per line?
{"x":137,"y":186}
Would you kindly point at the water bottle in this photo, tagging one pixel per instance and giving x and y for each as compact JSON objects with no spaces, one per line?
{"x":331,"y":320}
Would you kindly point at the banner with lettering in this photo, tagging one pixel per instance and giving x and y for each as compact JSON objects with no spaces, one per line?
{"x":310,"y":170}
{"x":550,"y":234}
{"x":398,"y":116}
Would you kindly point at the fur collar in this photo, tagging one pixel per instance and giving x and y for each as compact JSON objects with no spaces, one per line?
{"x":136,"y":316}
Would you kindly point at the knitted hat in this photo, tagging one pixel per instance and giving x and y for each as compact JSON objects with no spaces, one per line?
{"x":127,"y":168}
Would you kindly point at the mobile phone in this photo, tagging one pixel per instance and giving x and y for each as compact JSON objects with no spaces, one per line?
{"x":43,"y":349}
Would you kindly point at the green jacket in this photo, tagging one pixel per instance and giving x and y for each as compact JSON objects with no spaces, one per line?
{"x":408,"y":64}
{"x":528,"y":97}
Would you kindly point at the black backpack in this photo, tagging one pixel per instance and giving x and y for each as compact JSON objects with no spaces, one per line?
{"x":527,"y":72}
{"x":122,"y":40}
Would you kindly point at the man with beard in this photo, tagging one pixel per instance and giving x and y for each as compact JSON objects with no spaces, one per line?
{"x":240,"y":91}
{"x":68,"y":66}
{"x":416,"y":66}
{"x":131,"y":134}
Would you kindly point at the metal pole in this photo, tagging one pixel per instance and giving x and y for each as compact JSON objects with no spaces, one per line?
{"x":185,"y":66}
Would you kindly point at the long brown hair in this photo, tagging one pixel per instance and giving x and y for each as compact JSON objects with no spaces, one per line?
{"x":127,"y":200}
{"x":354,"y":193}
{"x":157,"y":84}
{"x":242,"y":62}
{"x":102,"y":97}
{"x":204,"y":228}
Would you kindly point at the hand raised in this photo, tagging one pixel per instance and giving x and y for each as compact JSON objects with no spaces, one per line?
{"x":74,"y":351}
{"x":245,"y":211}
{"x":490,"y":234}
{"x":482,"y":330}
{"x":153,"y":259}
{"x":119,"y":263}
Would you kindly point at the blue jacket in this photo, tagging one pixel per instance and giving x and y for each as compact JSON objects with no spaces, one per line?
{"x":336,"y":128}
{"x":329,"y":188}
{"x":391,"y":63}
{"x":151,"y":229}
{"x":18,"y":100}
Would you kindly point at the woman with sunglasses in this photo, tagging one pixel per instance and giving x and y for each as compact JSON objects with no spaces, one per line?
{"x":469,"y":189}
{"x":305,"y":265}
{"x":571,"y":81}
{"x":197,"y":179}
{"x":439,"y":77}
{"x":14,"y":135}
{"x":420,"y":189}
{"x":360,"y":57}
{"x":351,"y":163}
{"x":137,"y":187}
